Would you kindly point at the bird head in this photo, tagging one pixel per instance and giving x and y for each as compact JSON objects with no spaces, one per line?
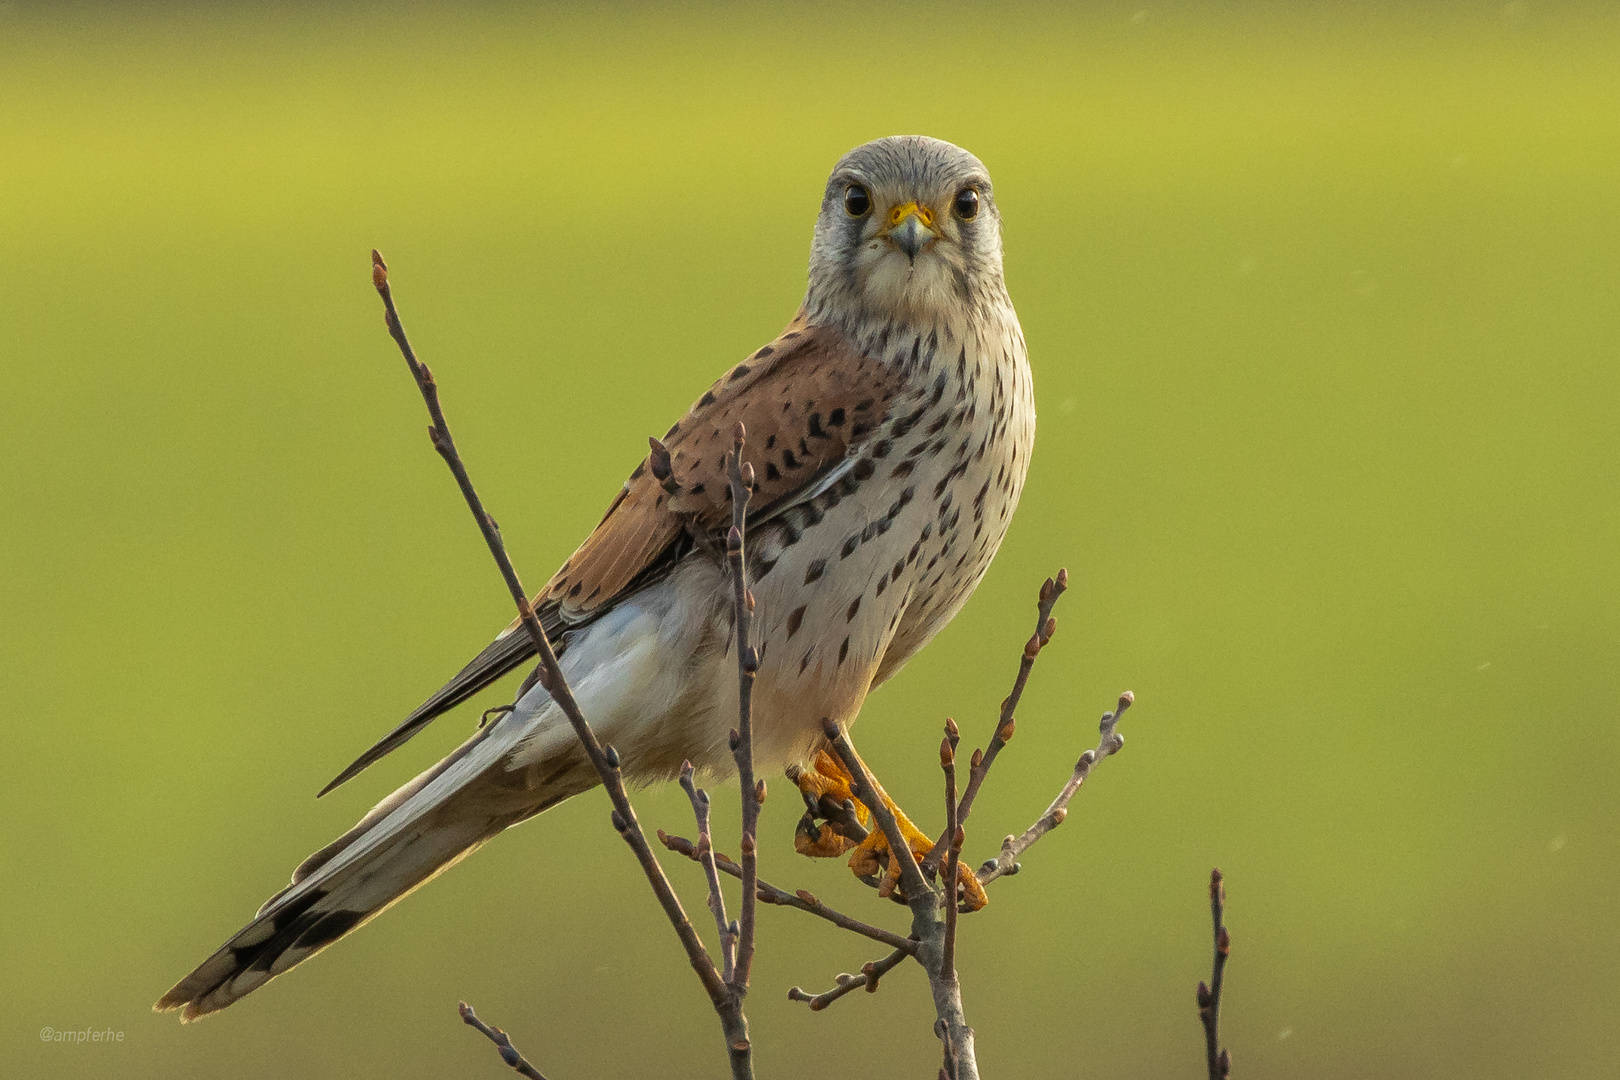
{"x":909,"y":230}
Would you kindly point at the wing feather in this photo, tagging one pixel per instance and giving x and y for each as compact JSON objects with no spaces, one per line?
{"x":808,"y":399}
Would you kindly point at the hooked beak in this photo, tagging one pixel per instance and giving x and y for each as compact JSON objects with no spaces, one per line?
{"x":911,"y":228}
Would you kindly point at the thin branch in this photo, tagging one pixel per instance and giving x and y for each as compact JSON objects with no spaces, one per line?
{"x":1005,"y":864}
{"x":947,"y":761}
{"x":703,"y":852}
{"x":935,"y":939}
{"x":1045,"y":627}
{"x":604,"y":759}
{"x":871,"y":972}
{"x":503,"y":1043}
{"x":1209,"y":997}
{"x":924,"y":903}
{"x":741,"y":475}
{"x":866,"y":790}
{"x":802,"y":900}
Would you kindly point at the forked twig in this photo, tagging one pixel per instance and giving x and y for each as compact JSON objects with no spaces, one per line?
{"x":703,"y":853}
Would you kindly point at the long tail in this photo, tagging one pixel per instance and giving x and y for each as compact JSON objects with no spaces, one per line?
{"x":417,"y":832}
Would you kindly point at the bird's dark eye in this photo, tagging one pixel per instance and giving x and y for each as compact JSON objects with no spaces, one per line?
{"x":857,"y":203}
{"x":966,"y":204}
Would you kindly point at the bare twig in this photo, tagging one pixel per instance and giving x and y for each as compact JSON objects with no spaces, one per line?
{"x":604,"y":759}
{"x":947,"y":761}
{"x":741,"y":475}
{"x":703,"y":852}
{"x":1005,"y":864}
{"x":871,"y":972}
{"x":503,"y":1043}
{"x":926,"y":926}
{"x":1045,"y":627}
{"x":1209,"y":997}
{"x":866,"y":790}
{"x":953,"y":828}
{"x":934,"y":938}
{"x":802,"y":900}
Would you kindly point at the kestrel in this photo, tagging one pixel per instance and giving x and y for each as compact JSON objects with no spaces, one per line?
{"x":889,"y":426}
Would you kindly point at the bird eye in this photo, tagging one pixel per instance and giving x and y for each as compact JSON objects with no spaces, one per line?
{"x":857,"y":203}
{"x":966,"y":204}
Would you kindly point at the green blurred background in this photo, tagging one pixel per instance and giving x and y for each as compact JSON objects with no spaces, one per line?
{"x":1324,"y":308}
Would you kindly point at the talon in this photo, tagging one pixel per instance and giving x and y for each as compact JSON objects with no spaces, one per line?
{"x":835,"y":822}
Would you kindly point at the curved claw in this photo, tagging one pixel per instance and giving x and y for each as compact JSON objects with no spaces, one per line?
{"x":835,"y":821}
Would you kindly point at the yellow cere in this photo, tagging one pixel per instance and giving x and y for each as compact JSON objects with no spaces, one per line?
{"x":905,"y":210}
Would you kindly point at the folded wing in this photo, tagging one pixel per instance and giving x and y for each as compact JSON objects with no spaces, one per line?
{"x":808,"y":399}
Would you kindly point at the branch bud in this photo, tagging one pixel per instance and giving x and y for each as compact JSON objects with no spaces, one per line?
{"x":748,"y":475}
{"x":619,"y":824}
{"x":739,"y":434}
{"x":951,"y":732}
{"x":611,"y":755}
{"x":1032,"y":647}
{"x":734,"y":740}
{"x":947,"y":758}
{"x":1049,"y":629}
{"x":1062,"y":579}
{"x":1224,"y":1062}
{"x":806,"y":895}
{"x":1005,"y":732}
{"x":978,"y":758}
{"x":1223,"y":943}
{"x":379,"y":270}
{"x":1204,"y":996}
{"x":733,"y":540}
{"x":759,"y":793}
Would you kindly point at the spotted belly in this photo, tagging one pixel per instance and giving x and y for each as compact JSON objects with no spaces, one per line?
{"x":857,"y":579}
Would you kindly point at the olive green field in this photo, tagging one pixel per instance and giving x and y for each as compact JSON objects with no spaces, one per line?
{"x":1323,"y":307}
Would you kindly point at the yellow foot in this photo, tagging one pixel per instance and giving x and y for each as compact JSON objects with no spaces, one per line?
{"x":829,"y":796}
{"x":829,"y":799}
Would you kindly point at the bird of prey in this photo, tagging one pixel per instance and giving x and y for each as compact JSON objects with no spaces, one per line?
{"x":889,"y":426}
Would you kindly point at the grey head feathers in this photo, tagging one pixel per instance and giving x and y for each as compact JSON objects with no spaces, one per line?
{"x":894,"y":243}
